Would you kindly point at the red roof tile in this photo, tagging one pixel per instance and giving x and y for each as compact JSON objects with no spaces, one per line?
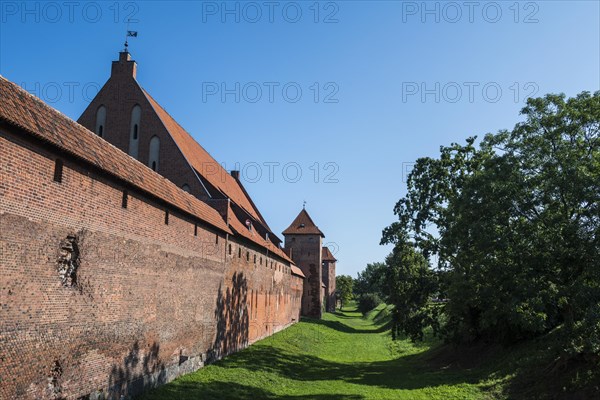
{"x":297,"y":271}
{"x":254,"y":236}
{"x":303,"y":225}
{"x":204,"y":163}
{"x":25,"y":111}
{"x":327,"y":256}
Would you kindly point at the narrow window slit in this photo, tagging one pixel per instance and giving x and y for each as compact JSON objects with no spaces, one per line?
{"x":124,"y":199}
{"x":58,"y":170}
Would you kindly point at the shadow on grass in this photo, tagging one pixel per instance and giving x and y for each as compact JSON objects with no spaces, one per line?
{"x":217,"y":390}
{"x":341,"y":327}
{"x":407,"y":372}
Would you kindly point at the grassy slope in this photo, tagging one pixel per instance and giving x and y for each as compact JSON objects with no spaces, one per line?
{"x":345,"y":356}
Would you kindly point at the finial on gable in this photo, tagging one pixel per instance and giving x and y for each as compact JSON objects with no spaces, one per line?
{"x":127,"y":35}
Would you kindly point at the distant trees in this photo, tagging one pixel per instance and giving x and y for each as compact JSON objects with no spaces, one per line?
{"x":344,"y":285}
{"x":369,"y":287}
{"x":514,"y":227}
{"x":371,"y":280}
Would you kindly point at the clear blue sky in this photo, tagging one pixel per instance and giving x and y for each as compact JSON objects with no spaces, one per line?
{"x":396,"y":80}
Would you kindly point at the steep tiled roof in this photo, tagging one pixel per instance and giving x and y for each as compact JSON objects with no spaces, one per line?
{"x":25,"y":111}
{"x":303,"y":225}
{"x":204,"y":163}
{"x":253,"y":236}
{"x":297,"y":271}
{"x":327,"y":256}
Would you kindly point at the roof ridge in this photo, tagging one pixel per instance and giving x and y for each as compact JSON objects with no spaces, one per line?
{"x":303,"y":224}
{"x":249,"y":208}
{"x":152,"y":102}
{"x":34,"y":116}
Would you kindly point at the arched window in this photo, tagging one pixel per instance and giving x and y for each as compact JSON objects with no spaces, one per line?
{"x":186,"y":188}
{"x":154,"y":153}
{"x":134,"y":136}
{"x":100,"y":120}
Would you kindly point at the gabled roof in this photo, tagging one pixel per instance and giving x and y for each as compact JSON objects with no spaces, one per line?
{"x":327,"y":256}
{"x":253,"y":236}
{"x":204,"y":164}
{"x":303,"y":225}
{"x":23,"y":110}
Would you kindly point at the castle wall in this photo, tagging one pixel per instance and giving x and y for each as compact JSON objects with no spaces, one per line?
{"x":104,"y":300}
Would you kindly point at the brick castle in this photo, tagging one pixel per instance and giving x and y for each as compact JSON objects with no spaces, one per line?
{"x":128,"y":255}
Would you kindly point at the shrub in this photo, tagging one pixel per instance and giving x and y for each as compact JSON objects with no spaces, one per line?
{"x":368,"y":301}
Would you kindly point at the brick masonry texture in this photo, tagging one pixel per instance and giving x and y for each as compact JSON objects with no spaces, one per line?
{"x":329,"y":281}
{"x":306,"y":253}
{"x":148,"y":300}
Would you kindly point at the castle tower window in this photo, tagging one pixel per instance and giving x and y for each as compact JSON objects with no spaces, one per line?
{"x":124,"y":199}
{"x":100,"y":120}
{"x":195,"y":229}
{"x":154,"y":153}
{"x":58,"y":170}
{"x":134,"y":137}
{"x":229,"y":248}
{"x":166,"y":217}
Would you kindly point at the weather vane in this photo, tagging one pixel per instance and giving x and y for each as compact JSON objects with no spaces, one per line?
{"x":129,"y":34}
{"x":304,"y":205}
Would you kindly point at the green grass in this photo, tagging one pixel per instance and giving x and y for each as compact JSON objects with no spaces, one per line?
{"x":347,"y":356}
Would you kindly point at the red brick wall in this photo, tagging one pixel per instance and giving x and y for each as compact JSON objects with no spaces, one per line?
{"x":119,"y":95}
{"x":306,"y":253}
{"x":151,"y":300}
{"x":329,"y":281}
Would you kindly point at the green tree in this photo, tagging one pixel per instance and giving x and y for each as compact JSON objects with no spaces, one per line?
{"x":344,"y":284}
{"x":371,"y":280}
{"x":514,"y":224}
{"x":410,"y":283}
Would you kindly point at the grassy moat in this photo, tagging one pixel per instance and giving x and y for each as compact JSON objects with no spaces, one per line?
{"x":348,"y":356}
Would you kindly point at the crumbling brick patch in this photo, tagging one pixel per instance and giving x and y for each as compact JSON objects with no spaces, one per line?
{"x":69,"y":260}
{"x":54,"y":381}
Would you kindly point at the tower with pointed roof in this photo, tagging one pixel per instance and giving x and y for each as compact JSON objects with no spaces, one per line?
{"x":304,"y":242}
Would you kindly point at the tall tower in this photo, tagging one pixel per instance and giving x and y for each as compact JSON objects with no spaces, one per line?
{"x":329,"y":278}
{"x":304,"y":241}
